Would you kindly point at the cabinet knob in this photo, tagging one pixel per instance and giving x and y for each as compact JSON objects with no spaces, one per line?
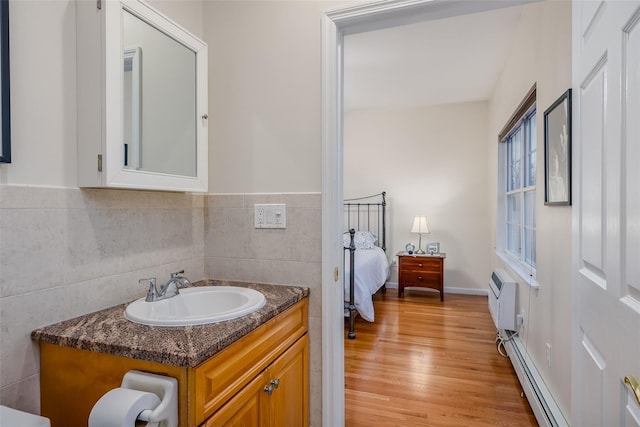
{"x":268,"y":389}
{"x":419,"y":265}
{"x":275,"y":383}
{"x":419,"y":277}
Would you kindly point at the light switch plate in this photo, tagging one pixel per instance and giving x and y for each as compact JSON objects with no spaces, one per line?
{"x":270,"y":215}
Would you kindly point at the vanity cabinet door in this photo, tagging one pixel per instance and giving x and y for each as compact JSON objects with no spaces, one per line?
{"x":289,"y":402}
{"x":220,"y":378}
{"x":247,"y":408}
{"x":278,"y":396}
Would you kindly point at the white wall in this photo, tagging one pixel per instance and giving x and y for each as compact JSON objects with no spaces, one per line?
{"x":43,"y":95}
{"x":542,"y":55}
{"x":264,"y":95}
{"x":431,"y":161}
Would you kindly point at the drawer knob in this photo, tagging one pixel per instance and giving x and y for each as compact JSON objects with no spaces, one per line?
{"x":419,"y":265}
{"x":419,"y":277}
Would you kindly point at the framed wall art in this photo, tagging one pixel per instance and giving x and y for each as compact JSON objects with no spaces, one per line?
{"x":5,"y":116}
{"x":557,"y":152}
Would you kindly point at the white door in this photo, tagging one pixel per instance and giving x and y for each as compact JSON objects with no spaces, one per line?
{"x":606,"y":213}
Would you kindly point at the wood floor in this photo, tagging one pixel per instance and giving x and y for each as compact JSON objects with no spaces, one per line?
{"x":430,"y":363}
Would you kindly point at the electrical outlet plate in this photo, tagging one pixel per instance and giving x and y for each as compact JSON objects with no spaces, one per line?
{"x":270,"y":215}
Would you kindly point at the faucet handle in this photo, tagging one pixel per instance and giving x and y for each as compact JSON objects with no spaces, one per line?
{"x":152,"y":293}
{"x":176,"y":274}
{"x":149,"y":281}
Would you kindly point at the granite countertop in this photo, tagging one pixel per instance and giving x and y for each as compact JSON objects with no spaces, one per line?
{"x":107,"y":331}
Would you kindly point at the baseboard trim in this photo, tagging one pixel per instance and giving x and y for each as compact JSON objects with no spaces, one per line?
{"x":542,"y":403}
{"x":449,"y":290}
{"x":465,"y":291}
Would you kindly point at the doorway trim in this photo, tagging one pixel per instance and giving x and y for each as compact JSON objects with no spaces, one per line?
{"x":336,"y":24}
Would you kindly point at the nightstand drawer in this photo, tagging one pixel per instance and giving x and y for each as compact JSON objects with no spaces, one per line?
{"x":421,"y":264}
{"x":419,"y":278}
{"x":420,"y":271}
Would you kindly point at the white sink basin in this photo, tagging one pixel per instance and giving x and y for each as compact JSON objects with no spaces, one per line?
{"x":196,"y":306}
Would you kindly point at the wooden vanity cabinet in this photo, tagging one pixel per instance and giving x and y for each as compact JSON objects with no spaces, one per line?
{"x":229,"y":389}
{"x":279,"y":353}
{"x":276,"y":397}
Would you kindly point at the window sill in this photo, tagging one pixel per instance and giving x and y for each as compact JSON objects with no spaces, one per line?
{"x":525,"y":276}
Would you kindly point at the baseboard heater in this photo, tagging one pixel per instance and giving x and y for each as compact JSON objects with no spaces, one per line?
{"x":543,"y":405}
{"x":502,"y":306}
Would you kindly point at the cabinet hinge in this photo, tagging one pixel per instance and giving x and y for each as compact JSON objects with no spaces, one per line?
{"x":99,"y":162}
{"x":99,"y":4}
{"x":336,"y":274}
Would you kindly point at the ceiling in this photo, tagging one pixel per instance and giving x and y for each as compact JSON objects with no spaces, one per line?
{"x":445,"y":61}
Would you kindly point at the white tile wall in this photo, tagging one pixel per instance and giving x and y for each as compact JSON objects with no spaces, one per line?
{"x":235,"y":250}
{"x":65,"y":252}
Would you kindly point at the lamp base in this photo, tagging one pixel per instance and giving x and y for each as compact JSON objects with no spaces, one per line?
{"x":420,"y":251}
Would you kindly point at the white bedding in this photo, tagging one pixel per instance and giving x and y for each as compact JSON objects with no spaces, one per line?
{"x":372,"y":271}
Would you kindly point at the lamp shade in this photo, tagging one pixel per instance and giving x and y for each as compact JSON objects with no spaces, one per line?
{"x":420,"y":225}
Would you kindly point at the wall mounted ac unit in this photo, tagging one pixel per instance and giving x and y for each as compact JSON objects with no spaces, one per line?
{"x":502,"y":300}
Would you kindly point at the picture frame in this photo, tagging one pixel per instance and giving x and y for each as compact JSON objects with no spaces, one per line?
{"x":5,"y":103}
{"x":557,"y":152}
{"x":433,"y":248}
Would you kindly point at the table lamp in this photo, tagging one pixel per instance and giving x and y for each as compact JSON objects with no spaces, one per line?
{"x":420,"y":227}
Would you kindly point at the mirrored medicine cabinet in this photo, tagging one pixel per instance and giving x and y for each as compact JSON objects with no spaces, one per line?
{"x":142,"y":99}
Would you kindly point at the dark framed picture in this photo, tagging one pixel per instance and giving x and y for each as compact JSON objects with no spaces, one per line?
{"x":5,"y":116}
{"x":557,"y":152}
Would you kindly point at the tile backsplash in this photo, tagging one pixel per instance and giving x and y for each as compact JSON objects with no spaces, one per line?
{"x":66,"y":252}
{"x":235,"y":250}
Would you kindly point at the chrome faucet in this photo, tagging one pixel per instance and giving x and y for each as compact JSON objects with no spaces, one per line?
{"x":168,"y":290}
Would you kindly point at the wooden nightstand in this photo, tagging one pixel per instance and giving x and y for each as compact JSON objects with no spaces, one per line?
{"x":423,"y":271}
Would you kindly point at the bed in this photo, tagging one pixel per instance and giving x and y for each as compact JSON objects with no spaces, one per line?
{"x":366,"y":265}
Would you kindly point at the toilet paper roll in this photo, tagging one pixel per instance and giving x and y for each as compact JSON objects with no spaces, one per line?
{"x":120,"y":407}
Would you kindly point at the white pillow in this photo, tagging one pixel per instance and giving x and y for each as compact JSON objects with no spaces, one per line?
{"x":362,"y":240}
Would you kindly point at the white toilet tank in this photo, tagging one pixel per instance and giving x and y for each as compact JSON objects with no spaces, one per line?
{"x":14,"y":418}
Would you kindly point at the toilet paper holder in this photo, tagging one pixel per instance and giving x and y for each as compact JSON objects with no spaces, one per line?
{"x":166,"y":388}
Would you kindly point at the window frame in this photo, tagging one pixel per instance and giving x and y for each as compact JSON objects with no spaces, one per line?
{"x":524,"y":262}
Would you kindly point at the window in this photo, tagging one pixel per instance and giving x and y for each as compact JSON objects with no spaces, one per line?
{"x":517,"y":187}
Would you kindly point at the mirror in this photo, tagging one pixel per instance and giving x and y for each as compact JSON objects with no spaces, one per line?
{"x":159,"y":100}
{"x":142,"y":99}
{"x":131,"y":108}
{"x":5,"y":117}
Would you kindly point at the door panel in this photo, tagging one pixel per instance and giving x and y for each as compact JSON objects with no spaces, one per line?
{"x":589,"y":11}
{"x":631,"y":410}
{"x":606,"y":213}
{"x":594,"y":92}
{"x":631,"y":111}
{"x":592,"y":366}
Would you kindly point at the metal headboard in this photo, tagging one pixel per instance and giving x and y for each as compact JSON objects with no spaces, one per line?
{"x":363,"y":215}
